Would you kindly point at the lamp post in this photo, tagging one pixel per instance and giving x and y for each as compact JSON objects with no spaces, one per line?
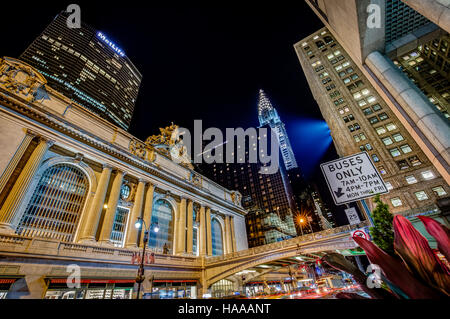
{"x":140,"y":275}
{"x":301,"y":221}
{"x":309,"y":223}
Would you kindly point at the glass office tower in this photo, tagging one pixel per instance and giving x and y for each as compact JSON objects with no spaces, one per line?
{"x":85,"y":65}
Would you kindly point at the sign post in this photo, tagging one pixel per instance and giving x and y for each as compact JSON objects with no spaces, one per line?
{"x":353,"y":178}
{"x":352,"y":216}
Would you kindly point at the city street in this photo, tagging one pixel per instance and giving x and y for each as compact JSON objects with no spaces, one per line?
{"x":324,"y":293}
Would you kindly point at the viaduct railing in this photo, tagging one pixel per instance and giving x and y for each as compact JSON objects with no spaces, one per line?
{"x":287,"y":243}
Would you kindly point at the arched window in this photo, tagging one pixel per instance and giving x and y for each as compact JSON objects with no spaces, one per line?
{"x":222,"y":288}
{"x":195,"y":232}
{"x":163,"y":215}
{"x":216,"y":236}
{"x":56,"y":205}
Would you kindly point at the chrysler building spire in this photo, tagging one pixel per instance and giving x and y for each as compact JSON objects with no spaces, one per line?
{"x":268,"y":115}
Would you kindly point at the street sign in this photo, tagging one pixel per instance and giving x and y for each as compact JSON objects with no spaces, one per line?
{"x":352,"y":216}
{"x":353,"y":178}
{"x":361,"y":232}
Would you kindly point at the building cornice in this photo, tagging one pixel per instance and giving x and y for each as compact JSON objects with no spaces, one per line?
{"x":44,"y":117}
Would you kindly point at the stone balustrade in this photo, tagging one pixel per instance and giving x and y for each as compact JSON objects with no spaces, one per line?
{"x":14,"y":244}
{"x":287,"y":243}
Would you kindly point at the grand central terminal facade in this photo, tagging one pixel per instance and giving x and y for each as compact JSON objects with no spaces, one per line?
{"x":72,"y":186}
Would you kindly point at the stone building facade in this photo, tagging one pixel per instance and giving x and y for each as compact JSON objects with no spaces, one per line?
{"x":377,"y":33}
{"x":360,"y":120}
{"x":73,"y":185}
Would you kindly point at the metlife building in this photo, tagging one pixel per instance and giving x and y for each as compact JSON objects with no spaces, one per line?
{"x":87,"y":66}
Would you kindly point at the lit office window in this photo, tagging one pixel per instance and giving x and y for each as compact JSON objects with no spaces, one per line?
{"x":395,"y":152}
{"x":371,"y":99}
{"x":411,"y":179}
{"x":406,"y":148}
{"x":380,"y":130}
{"x":357,"y":95}
{"x":387,"y":141}
{"x":391,"y":127}
{"x":428,"y":175}
{"x":398,"y":137}
{"x":439,"y":191}
{"x":396,"y":202}
{"x":421,"y":195}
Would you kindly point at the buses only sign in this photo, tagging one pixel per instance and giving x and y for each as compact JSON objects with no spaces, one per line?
{"x":353,"y":178}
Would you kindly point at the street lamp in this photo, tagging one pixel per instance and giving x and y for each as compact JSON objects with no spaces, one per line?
{"x":301,"y":220}
{"x":140,"y":275}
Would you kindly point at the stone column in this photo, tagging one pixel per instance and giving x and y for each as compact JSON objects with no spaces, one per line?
{"x":420,"y":117}
{"x":202,"y":234}
{"x":17,"y":194}
{"x":148,"y":207}
{"x":110,"y":214}
{"x":208,"y":232}
{"x":92,"y":219}
{"x":132,"y":233}
{"x":181,"y":234}
{"x":226,"y":248}
{"x":233,"y":234}
{"x":16,"y":158}
{"x":228,"y":235}
{"x":190,"y":226}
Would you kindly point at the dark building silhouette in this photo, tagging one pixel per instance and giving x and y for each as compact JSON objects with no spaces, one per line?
{"x":85,"y":65}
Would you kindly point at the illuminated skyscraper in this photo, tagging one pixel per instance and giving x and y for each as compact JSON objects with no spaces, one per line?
{"x":361,"y":120}
{"x":86,"y":66}
{"x":268,"y":115}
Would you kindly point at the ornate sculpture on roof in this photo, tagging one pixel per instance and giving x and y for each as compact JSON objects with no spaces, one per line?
{"x":236,"y":197}
{"x":22,"y":79}
{"x":170,"y":144}
{"x":142,"y":150}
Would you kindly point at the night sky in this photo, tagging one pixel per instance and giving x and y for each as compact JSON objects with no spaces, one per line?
{"x":203,"y":62}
